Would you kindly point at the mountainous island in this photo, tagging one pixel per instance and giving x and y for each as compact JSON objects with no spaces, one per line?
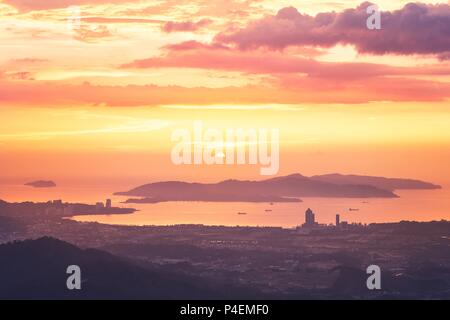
{"x":41,"y":184}
{"x":280,"y":189}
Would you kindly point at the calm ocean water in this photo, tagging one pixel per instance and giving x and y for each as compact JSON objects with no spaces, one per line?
{"x":419,"y":205}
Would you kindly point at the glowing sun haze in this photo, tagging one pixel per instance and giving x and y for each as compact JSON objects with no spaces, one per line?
{"x":100,"y":93}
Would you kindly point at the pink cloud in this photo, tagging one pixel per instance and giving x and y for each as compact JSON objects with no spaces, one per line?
{"x":415,"y":29}
{"x":289,"y":89}
{"x":30,"y":5}
{"x":185,"y":26}
{"x":192,"y":45}
{"x":193,"y":54}
{"x":92,"y":34}
{"x":27,"y":61}
{"x":119,"y":20}
{"x":20,"y":75}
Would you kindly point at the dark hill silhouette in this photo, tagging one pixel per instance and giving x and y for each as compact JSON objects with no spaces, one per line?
{"x":276,"y":190}
{"x":379,"y":182}
{"x":36,"y":269}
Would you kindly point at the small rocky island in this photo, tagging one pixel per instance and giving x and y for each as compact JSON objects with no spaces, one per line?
{"x":41,"y":184}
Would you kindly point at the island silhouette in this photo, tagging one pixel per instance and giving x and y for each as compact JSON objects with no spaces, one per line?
{"x":288,"y":188}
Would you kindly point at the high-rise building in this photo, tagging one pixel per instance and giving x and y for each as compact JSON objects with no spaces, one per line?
{"x":310,"y":218}
{"x":108,"y":203}
{"x":338,"y":220}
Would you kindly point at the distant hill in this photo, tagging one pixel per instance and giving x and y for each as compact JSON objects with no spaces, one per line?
{"x":379,"y":182}
{"x":275,"y":190}
{"x":41,"y":184}
{"x":36,"y":269}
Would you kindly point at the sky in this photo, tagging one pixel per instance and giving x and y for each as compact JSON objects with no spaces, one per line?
{"x":93,"y":89}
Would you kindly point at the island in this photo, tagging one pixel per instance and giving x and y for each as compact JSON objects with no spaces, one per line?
{"x":289,"y":188}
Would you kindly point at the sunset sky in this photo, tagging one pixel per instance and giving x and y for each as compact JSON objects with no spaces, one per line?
{"x":97,"y":96}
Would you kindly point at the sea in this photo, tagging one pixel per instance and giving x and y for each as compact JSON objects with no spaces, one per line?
{"x":412,"y":205}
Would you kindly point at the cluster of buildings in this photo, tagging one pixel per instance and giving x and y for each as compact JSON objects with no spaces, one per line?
{"x":310,"y":221}
{"x":100,"y":205}
{"x":59,"y":208}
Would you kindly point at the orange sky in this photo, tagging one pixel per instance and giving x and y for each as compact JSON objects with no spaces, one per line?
{"x":99,"y":98}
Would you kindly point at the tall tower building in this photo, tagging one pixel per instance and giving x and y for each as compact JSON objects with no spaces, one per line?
{"x":310,"y":218}
{"x":338,"y":220}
